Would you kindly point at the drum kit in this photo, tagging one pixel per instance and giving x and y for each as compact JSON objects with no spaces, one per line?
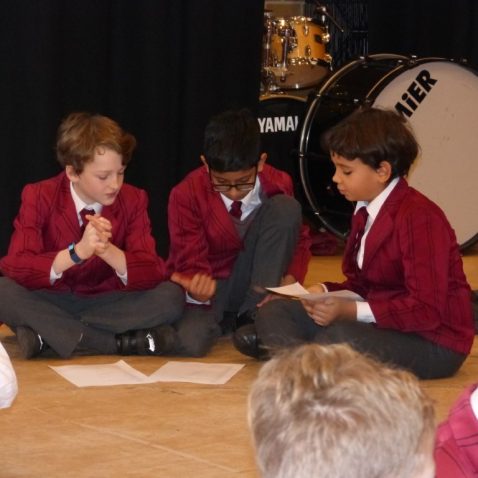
{"x":302,"y":96}
{"x":294,"y":53}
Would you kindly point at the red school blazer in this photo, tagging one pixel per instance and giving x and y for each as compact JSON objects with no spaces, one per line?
{"x":412,"y":274}
{"x":203,"y":236}
{"x":47,"y":223}
{"x":456,"y":446}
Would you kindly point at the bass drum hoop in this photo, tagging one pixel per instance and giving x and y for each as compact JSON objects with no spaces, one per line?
{"x":403,"y":62}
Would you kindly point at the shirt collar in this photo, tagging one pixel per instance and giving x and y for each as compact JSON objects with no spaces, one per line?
{"x":252,"y":197}
{"x":374,"y":206}
{"x":80,"y":204}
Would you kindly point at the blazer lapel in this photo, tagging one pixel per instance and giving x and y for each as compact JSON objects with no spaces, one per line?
{"x":216,"y":210}
{"x":221,"y":217}
{"x":384,"y":223}
{"x":379,"y":232}
{"x":68,"y":222}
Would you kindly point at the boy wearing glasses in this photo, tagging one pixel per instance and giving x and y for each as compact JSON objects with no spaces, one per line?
{"x":235,"y":228}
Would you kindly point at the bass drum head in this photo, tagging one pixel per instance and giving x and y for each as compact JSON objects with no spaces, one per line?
{"x":439,"y":99}
{"x":280,"y":119}
{"x":445,"y":97}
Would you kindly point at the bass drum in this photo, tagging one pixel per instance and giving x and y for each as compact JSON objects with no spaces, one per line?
{"x":438,"y":97}
{"x":280,"y":119}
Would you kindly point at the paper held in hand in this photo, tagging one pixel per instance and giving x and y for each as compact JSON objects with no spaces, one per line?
{"x":297,"y":291}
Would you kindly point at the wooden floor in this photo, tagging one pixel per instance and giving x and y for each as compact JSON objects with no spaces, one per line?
{"x":55,"y":429}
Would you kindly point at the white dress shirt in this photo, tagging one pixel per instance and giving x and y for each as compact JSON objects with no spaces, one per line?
{"x":250,"y":202}
{"x":364,"y":312}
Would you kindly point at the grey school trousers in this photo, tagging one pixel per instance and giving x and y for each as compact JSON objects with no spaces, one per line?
{"x":269,"y":246}
{"x":285,"y":323}
{"x":65,"y":319}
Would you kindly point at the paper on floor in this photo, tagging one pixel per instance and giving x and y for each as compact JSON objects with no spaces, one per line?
{"x":120,"y":373}
{"x":209,"y":373}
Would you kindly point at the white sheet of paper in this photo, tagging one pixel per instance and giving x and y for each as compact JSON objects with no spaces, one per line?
{"x":297,"y":291}
{"x":120,"y":373}
{"x":194,"y":372}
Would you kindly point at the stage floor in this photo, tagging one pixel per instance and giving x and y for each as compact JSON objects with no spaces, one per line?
{"x":55,"y":429}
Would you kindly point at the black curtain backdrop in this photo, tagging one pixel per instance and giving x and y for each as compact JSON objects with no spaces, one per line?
{"x":425,"y":28}
{"x":160,"y":68}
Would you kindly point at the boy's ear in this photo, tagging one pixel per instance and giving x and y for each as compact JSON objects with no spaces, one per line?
{"x":71,"y":173}
{"x":203,"y":159}
{"x":384,"y":171}
{"x":262,"y":160}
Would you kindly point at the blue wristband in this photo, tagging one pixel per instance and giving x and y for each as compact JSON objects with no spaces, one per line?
{"x":73,"y":255}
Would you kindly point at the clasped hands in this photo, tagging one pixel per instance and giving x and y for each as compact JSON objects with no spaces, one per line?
{"x":96,"y":237}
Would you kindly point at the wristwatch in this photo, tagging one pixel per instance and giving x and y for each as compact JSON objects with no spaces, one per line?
{"x":73,"y":255}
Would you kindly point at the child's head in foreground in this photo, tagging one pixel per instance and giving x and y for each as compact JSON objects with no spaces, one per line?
{"x":369,"y":148}
{"x":328,"y":411}
{"x":94,"y":150}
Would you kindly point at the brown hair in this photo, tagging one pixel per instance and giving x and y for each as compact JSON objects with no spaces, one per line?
{"x":374,"y":135}
{"x":328,"y":411}
{"x":81,"y":135}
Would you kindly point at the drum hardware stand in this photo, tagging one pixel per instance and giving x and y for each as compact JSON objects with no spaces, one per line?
{"x":269,"y":80}
{"x":268,"y":58}
{"x":324,"y":14}
{"x":288,"y":43}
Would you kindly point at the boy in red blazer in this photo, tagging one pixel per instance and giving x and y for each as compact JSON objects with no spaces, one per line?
{"x":235,"y":228}
{"x":406,"y":266}
{"x":90,"y":281}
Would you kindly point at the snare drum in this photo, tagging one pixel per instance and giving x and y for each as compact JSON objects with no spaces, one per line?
{"x":438,"y":97}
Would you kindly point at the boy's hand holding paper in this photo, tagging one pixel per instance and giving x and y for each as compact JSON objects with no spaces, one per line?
{"x":297,"y":291}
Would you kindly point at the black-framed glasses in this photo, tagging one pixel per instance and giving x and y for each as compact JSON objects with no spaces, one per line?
{"x":224,"y":188}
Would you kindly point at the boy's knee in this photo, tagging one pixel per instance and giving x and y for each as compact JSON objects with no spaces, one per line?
{"x":282,"y":203}
{"x":284,"y":210}
{"x":170,"y":298}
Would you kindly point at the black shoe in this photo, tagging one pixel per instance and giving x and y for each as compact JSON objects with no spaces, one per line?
{"x":245,"y":341}
{"x":246,"y":318}
{"x":158,"y":341}
{"x":29,"y":341}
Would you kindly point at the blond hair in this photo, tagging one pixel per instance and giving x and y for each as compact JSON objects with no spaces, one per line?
{"x":328,"y":411}
{"x":81,"y":135}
